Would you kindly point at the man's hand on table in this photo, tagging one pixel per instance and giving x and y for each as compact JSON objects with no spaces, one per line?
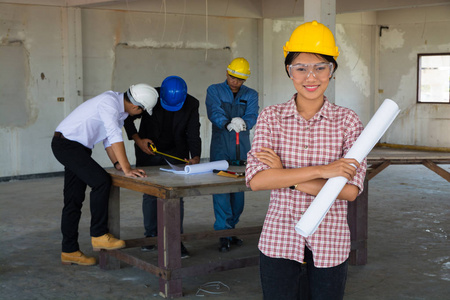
{"x":135,"y":173}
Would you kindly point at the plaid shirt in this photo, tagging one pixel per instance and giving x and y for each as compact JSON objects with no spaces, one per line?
{"x":326,"y":137}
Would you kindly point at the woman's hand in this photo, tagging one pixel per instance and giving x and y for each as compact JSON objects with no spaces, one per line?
{"x":345,"y":167}
{"x":269,"y":157}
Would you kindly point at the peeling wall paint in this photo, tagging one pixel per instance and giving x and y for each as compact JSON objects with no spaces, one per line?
{"x":418,"y":123}
{"x":280,"y":26}
{"x":354,"y":59}
{"x":49,"y":43}
{"x":392,"y":39}
{"x":15,"y":106}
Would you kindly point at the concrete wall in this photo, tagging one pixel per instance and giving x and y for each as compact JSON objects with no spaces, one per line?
{"x":71,"y":53}
{"x":410,"y":32}
{"x":373,"y":68}
{"x":354,"y":79}
{"x":177,"y":34}
{"x":25,"y":149}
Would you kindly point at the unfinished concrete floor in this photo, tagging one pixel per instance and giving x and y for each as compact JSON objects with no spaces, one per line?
{"x":409,"y":249}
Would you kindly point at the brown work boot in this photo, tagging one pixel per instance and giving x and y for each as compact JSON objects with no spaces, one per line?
{"x":78,"y":258}
{"x":107,"y":242}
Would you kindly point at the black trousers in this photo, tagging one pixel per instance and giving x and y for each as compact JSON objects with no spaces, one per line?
{"x":284,"y":279}
{"x":80,"y":170}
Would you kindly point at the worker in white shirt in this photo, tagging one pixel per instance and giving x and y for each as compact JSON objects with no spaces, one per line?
{"x":98,"y":119}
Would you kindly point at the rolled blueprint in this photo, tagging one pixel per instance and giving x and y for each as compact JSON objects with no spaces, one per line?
{"x":198,"y":168}
{"x":206,"y":167}
{"x":374,"y":130}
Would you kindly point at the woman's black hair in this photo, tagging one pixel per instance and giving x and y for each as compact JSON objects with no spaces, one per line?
{"x":292,"y":55}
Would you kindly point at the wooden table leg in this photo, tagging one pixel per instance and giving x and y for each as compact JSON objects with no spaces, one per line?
{"x":107,"y":262}
{"x":357,"y":220}
{"x":435,"y":168}
{"x":169,"y":245}
{"x":376,"y":169}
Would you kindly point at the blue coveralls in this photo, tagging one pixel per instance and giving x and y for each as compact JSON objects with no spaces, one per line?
{"x":222,"y":106}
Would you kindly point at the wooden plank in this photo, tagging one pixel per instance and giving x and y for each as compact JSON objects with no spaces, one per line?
{"x":139,"y":186}
{"x":166,"y":185}
{"x":216,"y":266}
{"x":438,"y":170}
{"x":131,"y":243}
{"x":139,"y":263}
{"x":398,"y":156}
{"x":169,"y":245}
{"x":139,"y":242}
{"x":412,"y":147}
{"x":357,"y":216}
{"x":221,"y":233}
{"x":377,"y":169}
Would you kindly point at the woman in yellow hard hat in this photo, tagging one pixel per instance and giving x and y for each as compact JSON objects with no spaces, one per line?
{"x":297,"y":146}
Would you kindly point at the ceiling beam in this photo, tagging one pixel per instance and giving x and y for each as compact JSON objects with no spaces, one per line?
{"x":84,"y":3}
{"x":66,"y":3}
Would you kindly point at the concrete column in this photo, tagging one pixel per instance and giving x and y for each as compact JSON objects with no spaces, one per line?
{"x":265,"y":58}
{"x":323,"y":11}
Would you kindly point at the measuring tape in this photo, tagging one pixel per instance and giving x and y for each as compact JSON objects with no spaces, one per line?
{"x":168,"y":155}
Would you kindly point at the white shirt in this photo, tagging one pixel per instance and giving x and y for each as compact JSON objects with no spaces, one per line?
{"x":98,"y":119}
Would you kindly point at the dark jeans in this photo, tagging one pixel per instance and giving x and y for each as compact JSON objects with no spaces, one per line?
{"x":286,"y":279}
{"x":150,"y":211}
{"x":81,"y":170}
{"x":149,"y":202}
{"x":227,"y":210}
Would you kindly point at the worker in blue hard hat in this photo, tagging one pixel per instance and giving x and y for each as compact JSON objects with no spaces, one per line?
{"x":174,"y":129}
{"x":232,"y":109}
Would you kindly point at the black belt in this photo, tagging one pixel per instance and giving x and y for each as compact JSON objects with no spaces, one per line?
{"x":59,"y":135}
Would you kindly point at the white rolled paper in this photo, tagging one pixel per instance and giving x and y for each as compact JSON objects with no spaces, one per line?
{"x":374,"y":130}
{"x":198,"y":168}
{"x":206,"y":167}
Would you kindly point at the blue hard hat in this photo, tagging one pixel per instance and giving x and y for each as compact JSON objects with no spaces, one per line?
{"x":173,"y":93}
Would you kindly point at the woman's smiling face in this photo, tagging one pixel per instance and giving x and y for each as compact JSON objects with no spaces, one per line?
{"x":311,"y":86}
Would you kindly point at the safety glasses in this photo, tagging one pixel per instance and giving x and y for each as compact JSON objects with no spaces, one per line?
{"x":239,"y":80}
{"x":320,"y":70}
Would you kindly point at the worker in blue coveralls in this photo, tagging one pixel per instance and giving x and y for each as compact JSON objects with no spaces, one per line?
{"x":232,"y":109}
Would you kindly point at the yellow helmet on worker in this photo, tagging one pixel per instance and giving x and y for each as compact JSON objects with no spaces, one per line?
{"x":312,"y":37}
{"x":239,"y":67}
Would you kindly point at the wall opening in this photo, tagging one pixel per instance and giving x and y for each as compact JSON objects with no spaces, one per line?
{"x":13,"y":92}
{"x":433,"y":76}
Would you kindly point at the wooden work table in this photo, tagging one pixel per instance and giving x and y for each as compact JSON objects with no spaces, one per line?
{"x":378,"y":160}
{"x":169,"y":187}
{"x":381,"y":158}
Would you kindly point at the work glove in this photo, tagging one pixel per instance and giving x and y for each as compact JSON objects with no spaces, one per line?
{"x":232,"y":126}
{"x":240,"y":124}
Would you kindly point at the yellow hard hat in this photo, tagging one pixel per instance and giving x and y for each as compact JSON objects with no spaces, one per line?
{"x":239,"y":67}
{"x":312,"y":37}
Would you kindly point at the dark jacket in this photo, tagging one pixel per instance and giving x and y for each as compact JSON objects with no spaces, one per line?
{"x":185,"y":131}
